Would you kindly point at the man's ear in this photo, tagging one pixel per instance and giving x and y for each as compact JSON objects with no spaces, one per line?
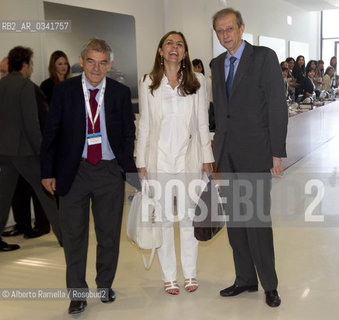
{"x":109,"y":66}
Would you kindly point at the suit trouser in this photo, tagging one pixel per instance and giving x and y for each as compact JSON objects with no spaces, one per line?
{"x":188,"y":243}
{"x":104,"y":186}
{"x":249,"y":227}
{"x":29,"y":168}
{"x":21,"y":205}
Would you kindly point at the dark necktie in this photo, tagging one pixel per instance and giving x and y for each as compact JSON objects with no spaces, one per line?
{"x":94,"y":153}
{"x":230,"y":77}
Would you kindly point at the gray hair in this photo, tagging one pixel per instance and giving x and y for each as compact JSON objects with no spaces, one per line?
{"x":97,"y":45}
{"x":224,"y":12}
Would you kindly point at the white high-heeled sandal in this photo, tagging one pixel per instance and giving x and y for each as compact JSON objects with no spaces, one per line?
{"x":190,"y":283}
{"x":172,"y":285}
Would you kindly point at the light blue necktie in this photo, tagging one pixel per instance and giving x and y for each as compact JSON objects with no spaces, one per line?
{"x":230,"y":77}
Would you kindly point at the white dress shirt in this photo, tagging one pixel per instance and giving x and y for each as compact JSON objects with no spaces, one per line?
{"x":174,"y":136}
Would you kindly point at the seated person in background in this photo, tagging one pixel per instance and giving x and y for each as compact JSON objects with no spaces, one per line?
{"x":312,"y":64}
{"x":333,"y":63}
{"x":292,"y":84}
{"x":284,"y":64}
{"x":319,"y":71}
{"x":318,"y":78}
{"x":284,"y":72}
{"x":198,"y":66}
{"x":291,"y":62}
{"x":298,"y":73}
{"x":327,"y":79}
{"x":308,"y":86}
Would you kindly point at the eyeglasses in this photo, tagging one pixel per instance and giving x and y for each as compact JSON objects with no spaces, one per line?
{"x":221,"y":32}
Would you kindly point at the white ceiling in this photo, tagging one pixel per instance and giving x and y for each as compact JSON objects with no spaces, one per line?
{"x":315,"y":5}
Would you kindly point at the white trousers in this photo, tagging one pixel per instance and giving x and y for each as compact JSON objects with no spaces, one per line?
{"x":188,"y":243}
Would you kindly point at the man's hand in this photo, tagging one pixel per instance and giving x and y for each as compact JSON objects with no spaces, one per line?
{"x":49,"y":184}
{"x":277,"y":170}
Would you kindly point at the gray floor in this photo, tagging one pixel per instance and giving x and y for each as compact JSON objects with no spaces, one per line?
{"x":307,"y":263}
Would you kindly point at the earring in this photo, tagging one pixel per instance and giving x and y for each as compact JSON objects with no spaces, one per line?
{"x":183,"y":64}
{"x":162,"y":60}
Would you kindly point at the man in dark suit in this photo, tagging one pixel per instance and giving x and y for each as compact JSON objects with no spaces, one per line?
{"x":21,"y":202}
{"x":20,"y":138}
{"x":87,"y":149}
{"x":251,"y":126}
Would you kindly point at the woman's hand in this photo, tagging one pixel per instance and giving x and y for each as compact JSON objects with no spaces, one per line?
{"x":207,"y":167}
{"x":142,"y":172}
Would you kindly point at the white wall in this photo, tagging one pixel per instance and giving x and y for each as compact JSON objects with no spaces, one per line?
{"x":261,"y":17}
{"x":148,"y":18}
{"x":155,"y":17}
{"x":23,"y":10}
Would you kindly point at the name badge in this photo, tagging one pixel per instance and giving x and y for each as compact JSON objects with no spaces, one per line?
{"x":94,"y":138}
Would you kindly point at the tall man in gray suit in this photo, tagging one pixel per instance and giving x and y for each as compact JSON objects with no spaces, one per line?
{"x":251,"y":126}
{"x":20,"y":139}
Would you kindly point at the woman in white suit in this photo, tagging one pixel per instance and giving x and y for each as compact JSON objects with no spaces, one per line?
{"x":173,"y":143}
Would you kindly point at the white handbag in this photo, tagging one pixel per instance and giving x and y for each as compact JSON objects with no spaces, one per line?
{"x":142,"y":227}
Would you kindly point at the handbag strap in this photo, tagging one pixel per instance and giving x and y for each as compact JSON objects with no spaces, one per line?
{"x":150,"y":260}
{"x":146,"y":191}
{"x":145,"y":188}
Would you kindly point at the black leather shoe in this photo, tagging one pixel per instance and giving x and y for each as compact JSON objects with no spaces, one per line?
{"x":235,"y":290}
{"x":42,"y":231}
{"x":4,"y":246}
{"x":108,"y":296}
{"x":31,"y":234}
{"x":273,"y":298}
{"x":12,"y":232}
{"x":77,"y":306}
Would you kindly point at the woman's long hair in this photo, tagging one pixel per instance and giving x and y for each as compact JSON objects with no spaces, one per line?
{"x":52,"y":69}
{"x":302,"y":68}
{"x":188,"y":82}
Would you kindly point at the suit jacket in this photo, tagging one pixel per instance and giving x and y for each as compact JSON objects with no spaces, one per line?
{"x":65,"y":132}
{"x":19,"y":123}
{"x":47,"y":87}
{"x":42,"y":105}
{"x":307,"y":87}
{"x":199,"y":146}
{"x":251,"y":126}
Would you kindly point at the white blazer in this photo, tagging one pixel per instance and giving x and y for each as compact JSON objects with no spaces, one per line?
{"x":199,"y":149}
